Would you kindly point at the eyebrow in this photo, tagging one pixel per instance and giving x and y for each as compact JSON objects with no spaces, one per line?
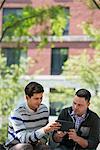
{"x":76,"y":103}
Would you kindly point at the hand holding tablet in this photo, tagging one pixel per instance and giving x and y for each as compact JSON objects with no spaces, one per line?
{"x":65,"y":125}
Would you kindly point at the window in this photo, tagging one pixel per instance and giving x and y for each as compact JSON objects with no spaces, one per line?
{"x":59,"y":56}
{"x":12,"y":12}
{"x":13,"y":55}
{"x":66,"y":30}
{"x":9,"y":11}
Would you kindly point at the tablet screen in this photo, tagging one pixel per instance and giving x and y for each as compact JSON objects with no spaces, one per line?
{"x":66,"y":125}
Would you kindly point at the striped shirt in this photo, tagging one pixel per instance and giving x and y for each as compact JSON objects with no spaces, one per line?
{"x":26,"y":124}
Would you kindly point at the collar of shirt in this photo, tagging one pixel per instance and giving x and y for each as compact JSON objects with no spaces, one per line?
{"x":76,"y":116}
{"x":30,"y":110}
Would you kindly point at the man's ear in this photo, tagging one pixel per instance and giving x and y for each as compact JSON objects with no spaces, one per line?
{"x":27,"y":97}
{"x":88,"y":103}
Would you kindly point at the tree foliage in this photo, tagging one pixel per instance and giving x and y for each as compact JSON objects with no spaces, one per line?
{"x":10,"y":87}
{"x":19,"y":27}
{"x":10,"y":90}
{"x":86,"y":70}
{"x":94,"y":33}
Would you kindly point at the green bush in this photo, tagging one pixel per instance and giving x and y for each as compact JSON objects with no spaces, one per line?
{"x":10,"y":91}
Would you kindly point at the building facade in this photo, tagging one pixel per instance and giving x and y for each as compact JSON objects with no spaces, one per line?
{"x":49,"y":61}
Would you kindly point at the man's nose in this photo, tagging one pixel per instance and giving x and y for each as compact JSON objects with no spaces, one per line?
{"x":39,"y":101}
{"x":75,"y":106}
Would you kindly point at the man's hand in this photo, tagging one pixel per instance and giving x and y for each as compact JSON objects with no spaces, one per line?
{"x":51,"y":127}
{"x":72,"y":134}
{"x":81,"y":141}
{"x":58,"y":136}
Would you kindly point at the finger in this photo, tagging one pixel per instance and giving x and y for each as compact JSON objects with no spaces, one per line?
{"x":72,"y":130}
{"x":56,"y":126}
{"x":59,"y":132}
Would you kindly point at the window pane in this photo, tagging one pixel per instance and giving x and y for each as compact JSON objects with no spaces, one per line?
{"x":66,"y":30}
{"x":10,"y":14}
{"x":13,"y":55}
{"x":59,"y":56}
{"x":9,"y":11}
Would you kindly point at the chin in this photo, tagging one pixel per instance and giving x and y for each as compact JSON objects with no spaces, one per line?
{"x":77,"y":113}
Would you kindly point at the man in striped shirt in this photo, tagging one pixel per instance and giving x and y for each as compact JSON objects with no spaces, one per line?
{"x":28,"y":123}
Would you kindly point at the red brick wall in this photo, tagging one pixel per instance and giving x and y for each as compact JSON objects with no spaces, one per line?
{"x":79,"y":13}
{"x":40,"y":61}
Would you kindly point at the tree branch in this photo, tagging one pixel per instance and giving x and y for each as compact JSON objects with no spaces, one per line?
{"x":38,"y":16}
{"x":97,"y":5}
{"x":2,"y":4}
{"x":13,"y":25}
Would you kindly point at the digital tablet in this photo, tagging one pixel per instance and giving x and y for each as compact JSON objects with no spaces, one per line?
{"x":65,"y":125}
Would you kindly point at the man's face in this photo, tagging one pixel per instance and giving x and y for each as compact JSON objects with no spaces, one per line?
{"x":35,"y":101}
{"x":80,"y":105}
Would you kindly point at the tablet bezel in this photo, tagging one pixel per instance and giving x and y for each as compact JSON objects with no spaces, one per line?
{"x":65,"y":125}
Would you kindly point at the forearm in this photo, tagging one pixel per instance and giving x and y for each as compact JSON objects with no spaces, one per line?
{"x":81,"y":141}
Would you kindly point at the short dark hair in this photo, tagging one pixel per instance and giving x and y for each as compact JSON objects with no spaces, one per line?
{"x":84,"y":93}
{"x":33,"y":87}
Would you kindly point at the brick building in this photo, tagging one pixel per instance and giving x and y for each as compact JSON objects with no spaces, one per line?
{"x":49,"y":61}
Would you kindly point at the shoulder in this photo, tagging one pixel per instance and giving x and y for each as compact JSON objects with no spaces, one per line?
{"x":93,"y":114}
{"x":18,"y":110}
{"x":67,"y":110}
{"x":43,"y":106}
{"x":43,"y":109}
